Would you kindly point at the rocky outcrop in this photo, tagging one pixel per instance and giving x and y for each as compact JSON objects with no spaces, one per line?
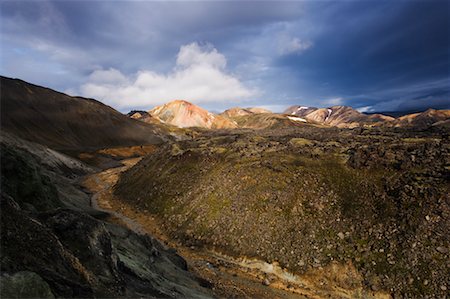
{"x":39,"y":178}
{"x":79,"y":256}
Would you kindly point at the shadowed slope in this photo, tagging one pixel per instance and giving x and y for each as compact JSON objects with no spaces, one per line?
{"x":62,"y":122}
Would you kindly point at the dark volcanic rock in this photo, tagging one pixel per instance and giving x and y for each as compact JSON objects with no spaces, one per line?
{"x":28,"y":245}
{"x":47,"y":246}
{"x":90,"y":243}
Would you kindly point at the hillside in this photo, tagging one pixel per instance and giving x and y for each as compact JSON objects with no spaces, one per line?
{"x":309,"y":197}
{"x":237,"y":111}
{"x":423,"y":119}
{"x":184,"y":114}
{"x":59,"y":121}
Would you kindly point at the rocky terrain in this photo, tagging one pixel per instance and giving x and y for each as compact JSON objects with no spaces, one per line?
{"x":143,"y":116}
{"x":54,"y":243}
{"x":307,"y":197}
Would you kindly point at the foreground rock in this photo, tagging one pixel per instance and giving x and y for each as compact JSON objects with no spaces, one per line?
{"x":53,"y":248}
{"x":24,"y":284}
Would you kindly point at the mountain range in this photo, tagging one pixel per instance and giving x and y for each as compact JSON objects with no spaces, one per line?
{"x":184,"y":114}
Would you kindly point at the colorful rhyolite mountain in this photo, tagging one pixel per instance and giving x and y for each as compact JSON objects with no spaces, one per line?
{"x":340,"y":116}
{"x":184,"y":114}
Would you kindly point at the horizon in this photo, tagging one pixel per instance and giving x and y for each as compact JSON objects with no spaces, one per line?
{"x":394,"y":113}
{"x":374,"y":56}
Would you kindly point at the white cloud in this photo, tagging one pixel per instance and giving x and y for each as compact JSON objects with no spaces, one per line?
{"x":293,"y":45}
{"x":333,"y":101}
{"x":193,"y":54}
{"x":365,"y":109}
{"x":110,"y":76}
{"x":199,"y":76}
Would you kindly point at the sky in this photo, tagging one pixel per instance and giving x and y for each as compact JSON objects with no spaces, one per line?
{"x":371,"y":55}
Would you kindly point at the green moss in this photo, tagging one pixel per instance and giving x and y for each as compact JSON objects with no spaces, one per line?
{"x":216,"y":205}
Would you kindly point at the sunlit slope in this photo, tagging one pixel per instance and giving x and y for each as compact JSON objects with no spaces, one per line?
{"x":307,"y":199}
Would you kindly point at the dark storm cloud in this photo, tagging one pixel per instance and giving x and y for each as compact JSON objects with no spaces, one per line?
{"x":371,"y":51}
{"x":386,"y":55}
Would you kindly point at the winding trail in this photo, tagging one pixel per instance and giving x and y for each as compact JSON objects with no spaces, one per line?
{"x":100,"y":184}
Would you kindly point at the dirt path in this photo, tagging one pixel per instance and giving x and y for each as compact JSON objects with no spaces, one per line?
{"x":229,"y":277}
